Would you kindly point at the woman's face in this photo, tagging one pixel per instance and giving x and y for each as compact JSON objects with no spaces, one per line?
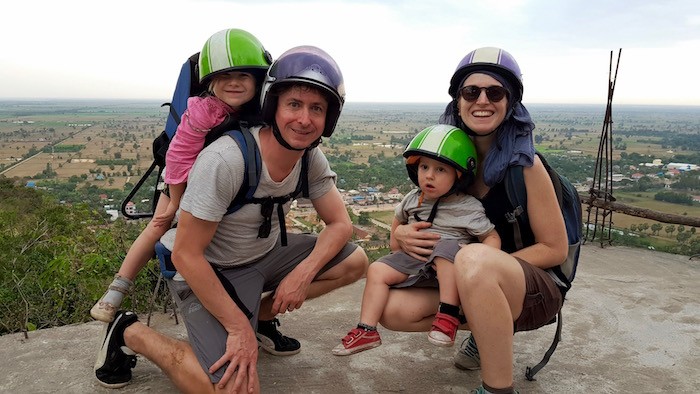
{"x":482,"y":116}
{"x":234,"y":88}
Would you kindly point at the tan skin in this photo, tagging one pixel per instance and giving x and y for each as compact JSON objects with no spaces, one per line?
{"x":491,"y":283}
{"x":300,"y":116}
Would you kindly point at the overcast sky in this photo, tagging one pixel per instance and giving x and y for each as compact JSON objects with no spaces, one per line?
{"x":389,"y":51}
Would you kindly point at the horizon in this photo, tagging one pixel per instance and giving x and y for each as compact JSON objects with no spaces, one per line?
{"x":5,"y":100}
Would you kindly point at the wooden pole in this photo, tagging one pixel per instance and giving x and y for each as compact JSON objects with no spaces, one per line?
{"x":642,"y":212}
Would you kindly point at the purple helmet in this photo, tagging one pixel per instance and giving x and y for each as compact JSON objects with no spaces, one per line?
{"x":491,"y":59}
{"x":310,"y":65}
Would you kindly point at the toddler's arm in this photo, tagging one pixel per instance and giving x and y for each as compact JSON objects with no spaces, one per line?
{"x":491,"y":238}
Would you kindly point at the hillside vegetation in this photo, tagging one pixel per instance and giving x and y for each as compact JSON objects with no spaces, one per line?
{"x":56,"y":260}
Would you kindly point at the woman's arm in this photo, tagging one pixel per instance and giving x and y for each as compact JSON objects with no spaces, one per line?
{"x":547,"y":223}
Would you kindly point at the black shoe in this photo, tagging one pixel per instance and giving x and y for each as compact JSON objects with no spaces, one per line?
{"x":115,"y":360}
{"x":270,"y":339}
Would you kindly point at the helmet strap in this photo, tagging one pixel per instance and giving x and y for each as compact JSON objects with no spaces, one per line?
{"x":281,"y":141}
{"x":433,"y":211}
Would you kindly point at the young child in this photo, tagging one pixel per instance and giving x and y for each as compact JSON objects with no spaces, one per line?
{"x":441,"y":161}
{"x":233,"y":64}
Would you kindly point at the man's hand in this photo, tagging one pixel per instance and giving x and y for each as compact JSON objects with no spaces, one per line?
{"x":292,"y":290}
{"x":242,"y":358}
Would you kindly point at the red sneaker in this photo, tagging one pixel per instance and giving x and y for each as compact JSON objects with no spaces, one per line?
{"x":444,"y":330}
{"x":356,"y":341}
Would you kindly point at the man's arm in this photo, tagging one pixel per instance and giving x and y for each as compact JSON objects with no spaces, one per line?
{"x":192,"y":238}
{"x":293,"y":289}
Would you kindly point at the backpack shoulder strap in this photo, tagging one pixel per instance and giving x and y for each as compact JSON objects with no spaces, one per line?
{"x":530,"y":372}
{"x":253,"y":167}
{"x":517,"y":196}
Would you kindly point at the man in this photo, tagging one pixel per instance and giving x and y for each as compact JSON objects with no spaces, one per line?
{"x":301,"y":101}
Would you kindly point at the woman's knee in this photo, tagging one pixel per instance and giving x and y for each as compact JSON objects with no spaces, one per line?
{"x":474,"y":262}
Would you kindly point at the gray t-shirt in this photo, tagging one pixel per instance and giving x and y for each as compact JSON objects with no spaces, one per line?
{"x":215,"y":179}
{"x":459,"y":216}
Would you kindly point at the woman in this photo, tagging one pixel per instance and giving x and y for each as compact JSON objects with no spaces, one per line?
{"x":501,"y":291}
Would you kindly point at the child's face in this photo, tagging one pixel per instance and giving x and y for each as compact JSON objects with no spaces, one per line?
{"x":435,"y":178}
{"x":234,"y":88}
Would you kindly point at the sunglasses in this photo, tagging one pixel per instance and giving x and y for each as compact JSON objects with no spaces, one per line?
{"x":493,"y":93}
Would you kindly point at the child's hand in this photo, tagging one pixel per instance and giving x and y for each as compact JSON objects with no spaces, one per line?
{"x":165,"y":218}
{"x":205,"y":113}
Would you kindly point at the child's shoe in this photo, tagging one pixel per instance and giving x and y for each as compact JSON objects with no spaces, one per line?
{"x":356,"y":341}
{"x":444,"y":330}
{"x":106,"y":307}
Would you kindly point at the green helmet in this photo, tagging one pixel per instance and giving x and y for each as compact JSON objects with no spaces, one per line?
{"x":233,"y":50}
{"x":447,"y":144}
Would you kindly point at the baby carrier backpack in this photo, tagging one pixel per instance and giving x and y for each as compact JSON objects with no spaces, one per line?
{"x":188,"y":86}
{"x":570,"y":204}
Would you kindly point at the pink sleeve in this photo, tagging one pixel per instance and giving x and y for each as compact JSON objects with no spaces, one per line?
{"x":182,"y":152}
{"x":201,"y":115}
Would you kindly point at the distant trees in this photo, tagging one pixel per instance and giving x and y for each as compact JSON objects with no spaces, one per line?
{"x":673,"y":197}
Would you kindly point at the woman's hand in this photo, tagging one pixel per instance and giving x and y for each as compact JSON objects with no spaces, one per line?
{"x":414,"y":242}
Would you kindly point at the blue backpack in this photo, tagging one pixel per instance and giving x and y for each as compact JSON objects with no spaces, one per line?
{"x":188,"y":86}
{"x":570,"y":204}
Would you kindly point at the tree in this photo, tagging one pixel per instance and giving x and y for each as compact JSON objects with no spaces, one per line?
{"x":670,"y":229}
{"x":682,"y":237}
{"x":643,"y":227}
{"x":364,"y":218}
{"x":656,"y":227}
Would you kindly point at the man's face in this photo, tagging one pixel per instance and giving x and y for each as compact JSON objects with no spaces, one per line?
{"x":301,"y":115}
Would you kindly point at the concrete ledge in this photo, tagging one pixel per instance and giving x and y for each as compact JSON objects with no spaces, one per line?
{"x":631,"y":324}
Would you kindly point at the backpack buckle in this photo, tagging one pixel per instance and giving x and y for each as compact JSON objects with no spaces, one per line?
{"x":512,"y":217}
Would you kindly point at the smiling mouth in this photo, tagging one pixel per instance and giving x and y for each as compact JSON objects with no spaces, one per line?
{"x":482,"y":114}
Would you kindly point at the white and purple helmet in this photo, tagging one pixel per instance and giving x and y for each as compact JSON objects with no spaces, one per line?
{"x":490,"y":59}
{"x":307,"y":65}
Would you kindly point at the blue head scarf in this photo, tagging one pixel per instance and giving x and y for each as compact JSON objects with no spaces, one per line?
{"x":513,"y":143}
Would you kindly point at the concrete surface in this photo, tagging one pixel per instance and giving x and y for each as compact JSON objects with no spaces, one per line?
{"x":631,"y":324}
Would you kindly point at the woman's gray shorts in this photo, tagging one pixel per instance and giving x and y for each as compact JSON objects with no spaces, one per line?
{"x":206,"y":335}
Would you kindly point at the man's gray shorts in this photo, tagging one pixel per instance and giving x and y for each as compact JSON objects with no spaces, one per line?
{"x":206,"y":335}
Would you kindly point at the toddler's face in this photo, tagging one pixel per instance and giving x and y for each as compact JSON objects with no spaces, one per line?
{"x":435,"y":178}
{"x":234,"y":88}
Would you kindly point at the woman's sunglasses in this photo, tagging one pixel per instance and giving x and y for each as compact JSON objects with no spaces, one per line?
{"x":493,"y":93}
